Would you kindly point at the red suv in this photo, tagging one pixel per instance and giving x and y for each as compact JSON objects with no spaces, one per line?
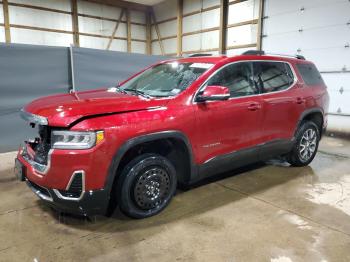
{"x":176,"y":122}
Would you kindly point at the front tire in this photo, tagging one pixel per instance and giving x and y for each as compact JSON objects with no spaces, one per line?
{"x":146,"y":186}
{"x":306,"y":144}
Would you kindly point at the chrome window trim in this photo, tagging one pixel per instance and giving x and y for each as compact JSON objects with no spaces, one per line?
{"x":59,"y":195}
{"x":245,"y":61}
{"x":32,"y":118}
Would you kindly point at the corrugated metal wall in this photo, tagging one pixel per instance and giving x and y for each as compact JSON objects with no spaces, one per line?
{"x":38,"y":18}
{"x":201,"y":20}
{"x":96,"y":24}
{"x":2,"y":28}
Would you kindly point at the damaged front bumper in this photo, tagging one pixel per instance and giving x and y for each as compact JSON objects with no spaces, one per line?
{"x":88,"y":205}
{"x":70,"y":194}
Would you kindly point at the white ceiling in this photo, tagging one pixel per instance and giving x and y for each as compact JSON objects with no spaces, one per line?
{"x":146,"y":2}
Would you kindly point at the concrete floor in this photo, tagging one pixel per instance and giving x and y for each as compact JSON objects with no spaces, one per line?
{"x":267,"y":212}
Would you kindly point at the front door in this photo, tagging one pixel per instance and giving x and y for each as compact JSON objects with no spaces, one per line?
{"x":228,"y":130}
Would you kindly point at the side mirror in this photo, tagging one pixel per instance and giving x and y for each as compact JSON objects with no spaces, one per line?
{"x":213,"y":93}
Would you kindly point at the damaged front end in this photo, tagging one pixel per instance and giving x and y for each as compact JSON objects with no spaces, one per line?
{"x":37,"y":151}
{"x":56,"y":163}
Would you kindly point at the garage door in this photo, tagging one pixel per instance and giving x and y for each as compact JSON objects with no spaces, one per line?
{"x":319,"y":30}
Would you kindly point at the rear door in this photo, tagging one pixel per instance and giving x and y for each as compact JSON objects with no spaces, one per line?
{"x":282,"y":104}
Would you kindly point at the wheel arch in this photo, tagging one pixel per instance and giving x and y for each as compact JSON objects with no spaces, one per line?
{"x":314,"y":114}
{"x":177,"y":139}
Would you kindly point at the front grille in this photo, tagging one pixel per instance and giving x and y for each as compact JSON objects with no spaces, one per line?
{"x":76,"y":186}
{"x":41,"y":145}
{"x":41,"y":153}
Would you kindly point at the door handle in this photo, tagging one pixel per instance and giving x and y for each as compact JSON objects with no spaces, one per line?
{"x":300,"y":100}
{"x":253,"y":107}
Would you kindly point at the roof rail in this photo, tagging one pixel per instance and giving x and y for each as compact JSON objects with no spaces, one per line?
{"x":283,"y":55}
{"x":259,"y":52}
{"x":300,"y":57}
{"x":199,"y":55}
{"x":254,"y":52}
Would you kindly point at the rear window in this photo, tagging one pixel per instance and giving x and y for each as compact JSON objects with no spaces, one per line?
{"x":310,"y":74}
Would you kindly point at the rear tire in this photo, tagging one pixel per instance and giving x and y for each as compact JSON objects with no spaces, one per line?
{"x":306,"y":144}
{"x":146,"y":186}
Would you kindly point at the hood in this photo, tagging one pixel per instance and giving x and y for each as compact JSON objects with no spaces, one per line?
{"x":63,"y":110}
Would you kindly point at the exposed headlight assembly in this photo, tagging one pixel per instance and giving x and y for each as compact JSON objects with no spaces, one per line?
{"x":75,"y":139}
{"x":31,"y":118}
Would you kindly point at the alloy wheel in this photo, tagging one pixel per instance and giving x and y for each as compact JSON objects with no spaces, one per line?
{"x":307,"y":145}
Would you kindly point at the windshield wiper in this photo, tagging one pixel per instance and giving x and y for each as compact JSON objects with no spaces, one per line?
{"x":120,"y":90}
{"x":138,"y":92}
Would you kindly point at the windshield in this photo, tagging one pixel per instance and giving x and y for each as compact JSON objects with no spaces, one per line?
{"x":167,"y":79}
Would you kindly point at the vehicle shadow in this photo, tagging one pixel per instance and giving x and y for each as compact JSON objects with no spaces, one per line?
{"x":199,"y":198}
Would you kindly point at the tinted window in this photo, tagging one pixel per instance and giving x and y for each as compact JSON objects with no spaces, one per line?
{"x":238,"y":78}
{"x":310,"y":74}
{"x":272,"y":76}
